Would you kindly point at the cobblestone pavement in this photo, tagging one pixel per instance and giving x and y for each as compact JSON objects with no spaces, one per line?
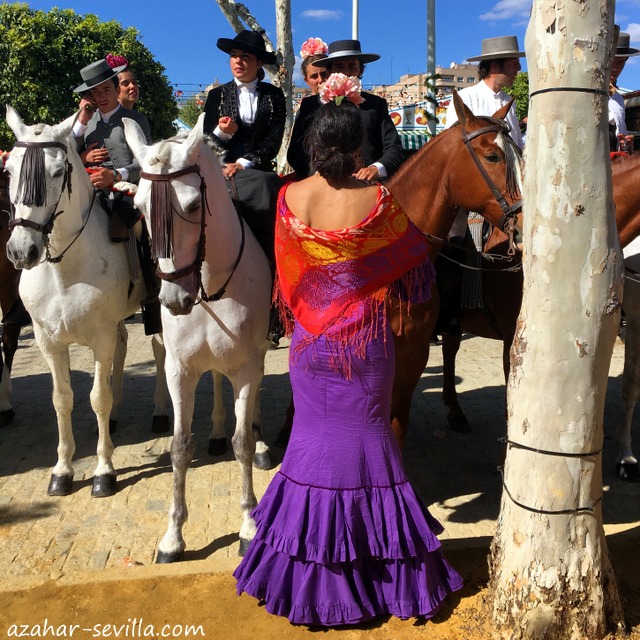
{"x":43,"y":537}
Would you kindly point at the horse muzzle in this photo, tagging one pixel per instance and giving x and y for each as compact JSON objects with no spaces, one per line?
{"x":24,"y":248}
{"x":177,"y":299}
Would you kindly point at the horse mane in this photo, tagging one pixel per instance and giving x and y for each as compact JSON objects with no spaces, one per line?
{"x":623,"y":163}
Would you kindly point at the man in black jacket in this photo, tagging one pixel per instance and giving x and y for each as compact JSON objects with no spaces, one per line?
{"x":382,"y":152}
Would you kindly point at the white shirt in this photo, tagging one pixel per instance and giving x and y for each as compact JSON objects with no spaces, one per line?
{"x":484,"y":101}
{"x":616,"y":113}
{"x":247,"y":93}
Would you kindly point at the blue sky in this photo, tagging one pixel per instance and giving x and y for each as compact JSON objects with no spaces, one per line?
{"x":181,"y":34}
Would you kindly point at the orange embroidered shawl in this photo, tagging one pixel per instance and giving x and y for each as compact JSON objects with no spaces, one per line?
{"x":322,"y":275}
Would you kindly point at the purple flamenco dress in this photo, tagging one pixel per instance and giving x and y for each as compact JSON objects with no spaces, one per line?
{"x":342,"y":537}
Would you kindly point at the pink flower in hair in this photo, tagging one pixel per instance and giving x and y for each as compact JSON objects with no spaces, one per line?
{"x":338,"y":87}
{"x":116,"y":61}
{"x":312,"y":47}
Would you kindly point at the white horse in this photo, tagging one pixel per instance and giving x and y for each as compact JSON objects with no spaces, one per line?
{"x":627,"y":466}
{"x":75,"y":283}
{"x":216,"y":294}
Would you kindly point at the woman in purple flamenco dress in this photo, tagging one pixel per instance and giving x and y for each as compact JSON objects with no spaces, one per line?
{"x":341,"y":535}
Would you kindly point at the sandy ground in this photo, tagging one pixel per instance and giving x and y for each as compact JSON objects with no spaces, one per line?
{"x":137,"y":603}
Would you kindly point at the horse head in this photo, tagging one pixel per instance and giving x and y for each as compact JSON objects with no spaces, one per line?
{"x":40,"y":172}
{"x":172,"y":196}
{"x":489,"y":180}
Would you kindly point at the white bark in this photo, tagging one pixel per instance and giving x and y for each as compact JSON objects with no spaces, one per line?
{"x":281,"y":74}
{"x":551,"y":577}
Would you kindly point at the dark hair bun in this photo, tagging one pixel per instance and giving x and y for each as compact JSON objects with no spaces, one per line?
{"x":333,"y":140}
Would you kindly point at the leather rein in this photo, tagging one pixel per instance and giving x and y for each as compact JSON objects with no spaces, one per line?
{"x":509,"y":212}
{"x":47,"y":228}
{"x":196,"y":265}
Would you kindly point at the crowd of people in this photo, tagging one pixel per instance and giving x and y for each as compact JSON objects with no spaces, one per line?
{"x":342,"y":537}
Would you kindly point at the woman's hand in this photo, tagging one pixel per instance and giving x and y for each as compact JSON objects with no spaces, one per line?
{"x":231,"y":169}
{"x":227,"y":125}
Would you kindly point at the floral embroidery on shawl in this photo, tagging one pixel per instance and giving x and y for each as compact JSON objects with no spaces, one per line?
{"x":334,"y":283}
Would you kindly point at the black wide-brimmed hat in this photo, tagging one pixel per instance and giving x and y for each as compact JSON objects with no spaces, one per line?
{"x":96,"y":73}
{"x":623,"y":49}
{"x":341,"y":49}
{"x":497,"y":48}
{"x":249,"y":41}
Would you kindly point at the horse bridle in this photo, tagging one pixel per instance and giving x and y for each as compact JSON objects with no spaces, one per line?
{"x":47,"y":228}
{"x":196,"y":265}
{"x":509,"y":212}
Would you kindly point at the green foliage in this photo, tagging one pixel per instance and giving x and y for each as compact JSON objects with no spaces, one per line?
{"x":191,"y":109}
{"x":41,"y":55}
{"x":520,"y":90}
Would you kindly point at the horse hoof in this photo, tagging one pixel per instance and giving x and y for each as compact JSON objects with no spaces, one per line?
{"x":282,"y":439}
{"x":459,"y":423}
{"x":60,"y":485}
{"x":628,"y":472}
{"x":164,"y":557}
{"x":262,"y":461}
{"x":6,"y":417}
{"x":217,"y":446}
{"x":244,"y":545}
{"x":103,"y":486}
{"x":160,"y":424}
{"x":113,"y":425}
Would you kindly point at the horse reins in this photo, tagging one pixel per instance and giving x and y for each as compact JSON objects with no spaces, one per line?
{"x":196,"y":265}
{"x":509,"y":212}
{"x":47,"y":228}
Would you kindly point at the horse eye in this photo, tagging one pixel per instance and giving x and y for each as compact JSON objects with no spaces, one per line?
{"x":192,"y":206}
{"x":57,"y":172}
{"x":492,"y":157}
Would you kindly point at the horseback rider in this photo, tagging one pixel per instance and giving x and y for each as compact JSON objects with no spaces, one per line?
{"x":245,"y":119}
{"x":100,"y":140}
{"x":620,"y":140}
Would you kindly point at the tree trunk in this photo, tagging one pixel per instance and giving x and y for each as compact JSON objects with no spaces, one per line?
{"x":550,"y":571}
{"x":281,"y":74}
{"x":287,"y":61}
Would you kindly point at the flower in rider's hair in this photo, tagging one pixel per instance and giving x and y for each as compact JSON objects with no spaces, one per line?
{"x":338,"y":87}
{"x":116,"y":61}
{"x":312,"y":47}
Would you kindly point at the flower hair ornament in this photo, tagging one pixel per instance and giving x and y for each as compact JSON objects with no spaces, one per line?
{"x":338,"y":87}
{"x":312,"y":47}
{"x":116,"y":61}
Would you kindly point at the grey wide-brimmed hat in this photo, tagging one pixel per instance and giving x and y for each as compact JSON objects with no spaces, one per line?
{"x":501,"y":47}
{"x":249,"y":41}
{"x":96,"y":73}
{"x":623,"y":49}
{"x":341,"y":49}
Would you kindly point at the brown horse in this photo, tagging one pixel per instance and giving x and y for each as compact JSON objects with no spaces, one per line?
{"x":473,"y":166}
{"x":502,"y":297}
{"x":14,"y":316}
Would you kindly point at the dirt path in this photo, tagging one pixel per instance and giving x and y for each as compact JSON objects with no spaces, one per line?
{"x":136,"y":602}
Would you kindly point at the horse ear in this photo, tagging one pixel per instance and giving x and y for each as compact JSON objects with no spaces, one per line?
{"x":135,"y":138}
{"x":66,"y":126}
{"x":13,"y":120}
{"x":501,"y":113}
{"x":465,"y":115}
{"x":194,"y":139}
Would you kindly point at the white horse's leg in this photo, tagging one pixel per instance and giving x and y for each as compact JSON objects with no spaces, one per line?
{"x":6,"y":408}
{"x":57,"y":357}
{"x":218,"y":437}
{"x":262,"y":459}
{"x":626,"y":462}
{"x":182,"y":386}
{"x":160,"y":423}
{"x":244,"y":448}
{"x":119,"y":356}
{"x":104,"y":477}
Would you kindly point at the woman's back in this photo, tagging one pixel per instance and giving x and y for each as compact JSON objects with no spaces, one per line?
{"x":321,"y":206}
